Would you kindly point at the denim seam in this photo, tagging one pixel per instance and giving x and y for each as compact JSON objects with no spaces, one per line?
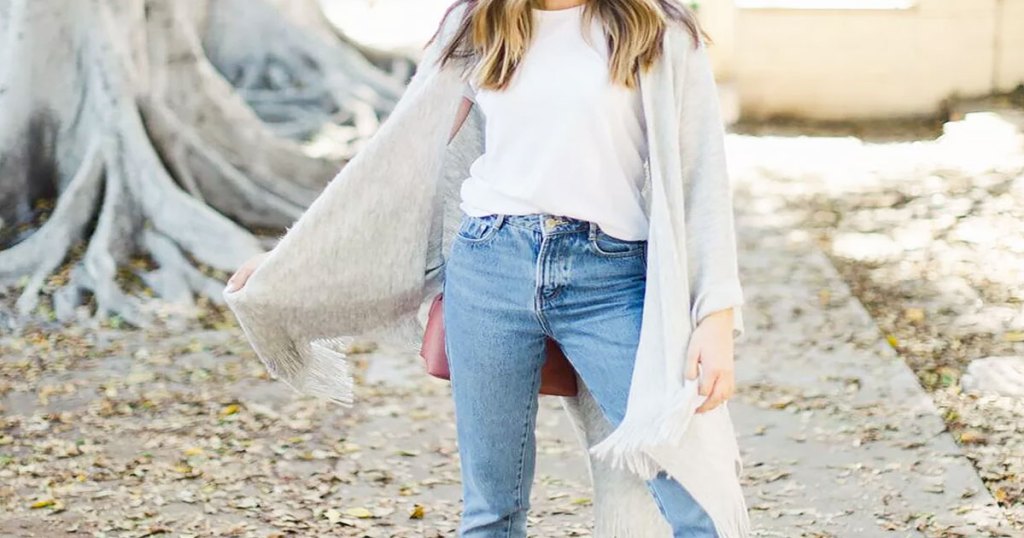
{"x":538,"y":292}
{"x":662,"y":507}
{"x":520,"y":505}
{"x":547,"y":232}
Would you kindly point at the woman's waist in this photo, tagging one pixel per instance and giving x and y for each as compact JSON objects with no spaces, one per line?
{"x":548,"y":223}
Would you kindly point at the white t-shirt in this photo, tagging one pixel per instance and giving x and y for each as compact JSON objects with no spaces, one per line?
{"x":562,"y":139}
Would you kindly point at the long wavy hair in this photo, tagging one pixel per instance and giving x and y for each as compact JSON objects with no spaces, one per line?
{"x":498,"y":32}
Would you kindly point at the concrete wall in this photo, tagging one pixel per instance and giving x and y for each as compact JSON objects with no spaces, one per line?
{"x":826,"y":59}
{"x":857,"y":62}
{"x":1010,"y":44}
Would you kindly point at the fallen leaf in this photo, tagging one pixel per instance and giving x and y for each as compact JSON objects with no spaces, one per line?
{"x":1000,"y":494}
{"x":43,"y":503}
{"x":230,"y":410}
{"x":913,"y":314}
{"x":972,"y":437}
{"x":1014,"y":336}
{"x":360,"y":513}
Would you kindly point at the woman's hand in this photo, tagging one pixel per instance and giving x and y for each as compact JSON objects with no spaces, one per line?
{"x":711,"y":345}
{"x":240,"y":277}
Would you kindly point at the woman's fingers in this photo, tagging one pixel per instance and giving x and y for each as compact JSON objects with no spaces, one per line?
{"x":241,"y":276}
{"x":238,"y":279}
{"x":712,"y":346}
{"x":718,"y":388}
{"x":711,"y":392}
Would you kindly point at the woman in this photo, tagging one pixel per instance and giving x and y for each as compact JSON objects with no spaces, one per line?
{"x":558,"y":228}
{"x":553,"y":243}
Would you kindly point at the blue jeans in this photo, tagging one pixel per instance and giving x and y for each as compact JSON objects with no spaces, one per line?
{"x":510,"y":281}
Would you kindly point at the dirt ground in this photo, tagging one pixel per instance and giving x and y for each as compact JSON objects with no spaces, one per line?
{"x":119,"y":433}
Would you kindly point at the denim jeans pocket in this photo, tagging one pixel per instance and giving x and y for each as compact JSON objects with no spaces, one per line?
{"x":610,"y":246}
{"x":473,"y":229}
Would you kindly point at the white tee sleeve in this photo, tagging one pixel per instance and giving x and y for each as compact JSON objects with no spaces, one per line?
{"x":468,"y":92}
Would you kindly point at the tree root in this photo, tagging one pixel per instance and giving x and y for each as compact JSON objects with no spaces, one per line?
{"x":147,"y":150}
{"x":43,"y":251}
{"x":177,"y":279}
{"x":97,"y":271}
{"x":211,"y":179}
{"x":299,"y":50}
{"x":184,"y":81}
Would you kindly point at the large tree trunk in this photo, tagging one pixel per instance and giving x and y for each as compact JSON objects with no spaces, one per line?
{"x":142,"y":140}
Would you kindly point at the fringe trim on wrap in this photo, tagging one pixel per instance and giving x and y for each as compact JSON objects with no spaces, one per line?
{"x":637,"y":446}
{"x":626,"y":446}
{"x":631,"y":520}
{"x":623,"y":505}
{"x":612,"y":525}
{"x":738,"y":525}
{"x":728,"y":510}
{"x":328,"y":374}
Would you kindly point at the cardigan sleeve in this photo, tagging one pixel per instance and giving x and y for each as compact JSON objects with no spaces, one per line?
{"x":711,"y":237}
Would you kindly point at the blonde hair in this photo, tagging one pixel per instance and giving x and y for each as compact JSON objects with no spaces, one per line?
{"x":498,"y":32}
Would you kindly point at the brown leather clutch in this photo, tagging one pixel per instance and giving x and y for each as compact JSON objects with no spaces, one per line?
{"x":557,"y":376}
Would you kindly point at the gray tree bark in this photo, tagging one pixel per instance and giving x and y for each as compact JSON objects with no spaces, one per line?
{"x":146,"y":138}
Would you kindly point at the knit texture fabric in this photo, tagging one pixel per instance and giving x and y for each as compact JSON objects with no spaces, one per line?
{"x":366,"y":258}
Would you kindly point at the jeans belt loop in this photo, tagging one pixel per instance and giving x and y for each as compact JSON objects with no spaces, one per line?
{"x":592,"y":230}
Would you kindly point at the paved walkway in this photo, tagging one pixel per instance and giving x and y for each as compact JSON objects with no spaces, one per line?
{"x":838,"y":437}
